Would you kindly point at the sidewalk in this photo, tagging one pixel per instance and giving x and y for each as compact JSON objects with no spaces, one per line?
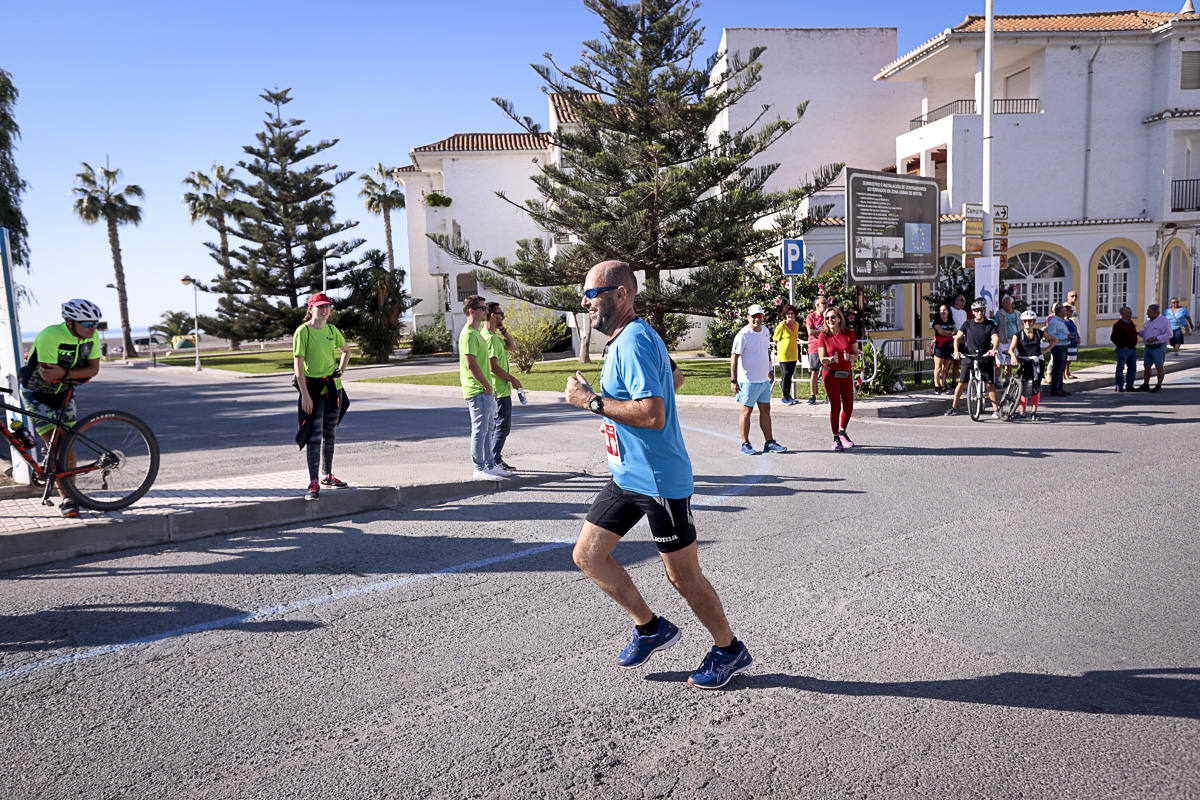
{"x":32,"y":534}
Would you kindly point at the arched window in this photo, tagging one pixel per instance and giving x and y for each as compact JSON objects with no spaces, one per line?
{"x":1037,"y":277}
{"x":949,"y":262}
{"x":1112,"y":282}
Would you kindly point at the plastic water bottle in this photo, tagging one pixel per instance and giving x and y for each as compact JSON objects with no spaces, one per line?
{"x":521,"y":395}
{"x":22,"y":434}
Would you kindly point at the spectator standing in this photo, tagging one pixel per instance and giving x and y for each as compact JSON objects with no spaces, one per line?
{"x":1181,"y":324}
{"x":838,"y":348}
{"x":651,"y":478}
{"x":814,"y":322}
{"x":318,"y":370}
{"x":959,"y":310}
{"x":1156,"y":334}
{"x":1007,"y":325}
{"x":475,"y":376}
{"x":752,"y":376}
{"x":1056,"y":326}
{"x":1027,"y":343}
{"x":1124,"y":337}
{"x":787,"y":345}
{"x":943,"y":348}
{"x":499,"y":342}
{"x":1072,"y":340}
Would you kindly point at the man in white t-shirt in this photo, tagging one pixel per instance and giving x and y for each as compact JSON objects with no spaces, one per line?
{"x":752,"y":377}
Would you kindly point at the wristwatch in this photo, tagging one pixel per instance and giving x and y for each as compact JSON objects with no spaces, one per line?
{"x":596,"y":405}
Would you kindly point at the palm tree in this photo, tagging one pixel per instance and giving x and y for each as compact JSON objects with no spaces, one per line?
{"x":381,"y":194}
{"x":98,"y":197}
{"x":210,"y":199}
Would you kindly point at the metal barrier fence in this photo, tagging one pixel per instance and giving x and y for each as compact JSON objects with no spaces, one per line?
{"x":910,"y":358}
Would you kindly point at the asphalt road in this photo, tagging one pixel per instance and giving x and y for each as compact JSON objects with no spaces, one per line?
{"x":951,"y":609}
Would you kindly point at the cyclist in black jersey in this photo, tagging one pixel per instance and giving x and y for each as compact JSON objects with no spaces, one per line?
{"x":978,"y":335}
{"x":1027,"y":344}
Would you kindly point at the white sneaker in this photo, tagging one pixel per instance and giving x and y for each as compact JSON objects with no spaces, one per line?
{"x":496,"y":469}
{"x":484,"y":475}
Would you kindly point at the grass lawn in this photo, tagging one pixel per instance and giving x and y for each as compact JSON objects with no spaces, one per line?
{"x":255,"y":361}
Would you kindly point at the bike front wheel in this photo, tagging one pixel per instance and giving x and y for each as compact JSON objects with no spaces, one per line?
{"x":115,"y":457}
{"x":975,"y":398}
{"x":1011,"y":398}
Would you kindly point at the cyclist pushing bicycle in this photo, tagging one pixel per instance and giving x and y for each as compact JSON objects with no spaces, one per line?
{"x":1026,"y":349}
{"x":980,"y":338}
{"x":63,"y":354}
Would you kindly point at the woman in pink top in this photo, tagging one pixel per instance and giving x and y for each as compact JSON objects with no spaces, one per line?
{"x":837,"y":348}
{"x":814,"y":322}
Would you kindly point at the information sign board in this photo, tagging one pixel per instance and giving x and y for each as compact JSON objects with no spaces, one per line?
{"x":891,"y":227}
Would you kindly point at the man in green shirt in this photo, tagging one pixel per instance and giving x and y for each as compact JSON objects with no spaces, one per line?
{"x":67,"y":351}
{"x":475,"y":375}
{"x":499,"y":343}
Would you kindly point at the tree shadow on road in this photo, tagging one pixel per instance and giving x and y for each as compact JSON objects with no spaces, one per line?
{"x":976,"y":452}
{"x":763,"y":486}
{"x":1163,"y":692}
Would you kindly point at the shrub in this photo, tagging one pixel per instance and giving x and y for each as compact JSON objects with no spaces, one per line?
{"x":532,"y":330}
{"x":433,"y":338}
{"x":562,"y":337}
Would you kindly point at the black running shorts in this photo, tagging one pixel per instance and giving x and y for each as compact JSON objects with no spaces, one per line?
{"x":671,"y":523}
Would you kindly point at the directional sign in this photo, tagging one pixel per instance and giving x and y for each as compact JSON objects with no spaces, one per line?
{"x":972,"y":233}
{"x":792,"y":256}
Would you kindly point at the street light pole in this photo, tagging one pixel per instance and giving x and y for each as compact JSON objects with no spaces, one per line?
{"x":325,"y":268}
{"x":187,"y":280}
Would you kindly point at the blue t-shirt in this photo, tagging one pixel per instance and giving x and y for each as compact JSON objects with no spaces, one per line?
{"x":1178,"y":318}
{"x":651,"y":462}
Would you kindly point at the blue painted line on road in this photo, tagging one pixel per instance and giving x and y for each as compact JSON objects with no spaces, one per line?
{"x":761,"y":468}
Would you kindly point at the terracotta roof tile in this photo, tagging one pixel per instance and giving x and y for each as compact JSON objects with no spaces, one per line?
{"x":1092,"y":21}
{"x":562,"y":106}
{"x":487,"y":141}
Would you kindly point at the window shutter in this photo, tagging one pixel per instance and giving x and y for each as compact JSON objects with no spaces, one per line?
{"x":1189,"y":77}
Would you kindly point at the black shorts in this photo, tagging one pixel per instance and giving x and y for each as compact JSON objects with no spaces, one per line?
{"x":945,"y":349}
{"x":671,"y":523}
{"x":987,"y":366}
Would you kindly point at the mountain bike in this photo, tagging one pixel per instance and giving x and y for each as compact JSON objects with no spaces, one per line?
{"x":114,"y":456}
{"x":976,"y":387}
{"x":1016,"y":387}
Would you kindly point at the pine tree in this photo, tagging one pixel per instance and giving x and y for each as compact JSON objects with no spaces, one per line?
{"x":285,"y":217}
{"x":11,"y":185}
{"x":645,"y":175}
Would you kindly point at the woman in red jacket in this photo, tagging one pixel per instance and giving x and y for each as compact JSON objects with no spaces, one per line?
{"x":837,"y":348}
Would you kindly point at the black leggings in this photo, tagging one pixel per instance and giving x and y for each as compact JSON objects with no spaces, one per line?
{"x":325,"y":412}
{"x":787,"y":370}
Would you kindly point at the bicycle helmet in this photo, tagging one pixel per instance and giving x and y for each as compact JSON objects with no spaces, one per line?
{"x":79,"y":310}
{"x":979,"y":304}
{"x":1027,"y":315}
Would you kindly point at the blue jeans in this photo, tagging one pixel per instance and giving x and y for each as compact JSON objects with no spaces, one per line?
{"x":1058,"y":367}
{"x":483,"y":429}
{"x":503,"y":425}
{"x":1126,"y":363}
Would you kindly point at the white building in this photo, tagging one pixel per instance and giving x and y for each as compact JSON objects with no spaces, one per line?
{"x":831,"y":68}
{"x":1096,"y":153}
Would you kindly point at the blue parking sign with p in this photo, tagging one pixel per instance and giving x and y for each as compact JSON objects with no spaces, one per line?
{"x":792,"y":256}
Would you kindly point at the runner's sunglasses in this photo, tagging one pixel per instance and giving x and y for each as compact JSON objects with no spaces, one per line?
{"x":592,"y":294}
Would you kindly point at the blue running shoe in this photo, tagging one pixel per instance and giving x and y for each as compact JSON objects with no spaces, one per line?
{"x":748,"y":449}
{"x":773,"y":446}
{"x":719,"y":667}
{"x":642,"y":647}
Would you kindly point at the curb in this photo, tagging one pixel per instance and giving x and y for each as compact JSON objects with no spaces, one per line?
{"x":46,"y":545}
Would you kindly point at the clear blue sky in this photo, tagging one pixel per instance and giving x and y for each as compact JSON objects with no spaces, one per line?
{"x":163,"y":88}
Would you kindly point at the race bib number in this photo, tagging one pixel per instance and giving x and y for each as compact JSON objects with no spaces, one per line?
{"x":610,"y":441}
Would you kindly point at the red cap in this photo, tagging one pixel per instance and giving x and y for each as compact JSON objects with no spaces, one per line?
{"x":319,"y":299}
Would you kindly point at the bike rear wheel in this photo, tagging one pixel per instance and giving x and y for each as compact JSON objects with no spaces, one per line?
{"x":1011,"y":398}
{"x":122,"y":453}
{"x":975,"y":398}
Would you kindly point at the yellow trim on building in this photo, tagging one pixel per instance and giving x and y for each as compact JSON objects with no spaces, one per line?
{"x":1185,"y":274}
{"x":1135,"y":278}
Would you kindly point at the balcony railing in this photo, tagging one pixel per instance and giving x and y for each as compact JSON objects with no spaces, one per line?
{"x":1185,"y":195}
{"x":1015,"y":105}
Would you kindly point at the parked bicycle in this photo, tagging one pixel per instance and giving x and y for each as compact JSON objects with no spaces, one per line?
{"x":105,"y":461}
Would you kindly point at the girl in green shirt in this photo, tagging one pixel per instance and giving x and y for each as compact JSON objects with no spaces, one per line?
{"x":315,"y":348}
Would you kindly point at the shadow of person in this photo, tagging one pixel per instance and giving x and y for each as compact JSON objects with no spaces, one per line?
{"x":1160,"y":692}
